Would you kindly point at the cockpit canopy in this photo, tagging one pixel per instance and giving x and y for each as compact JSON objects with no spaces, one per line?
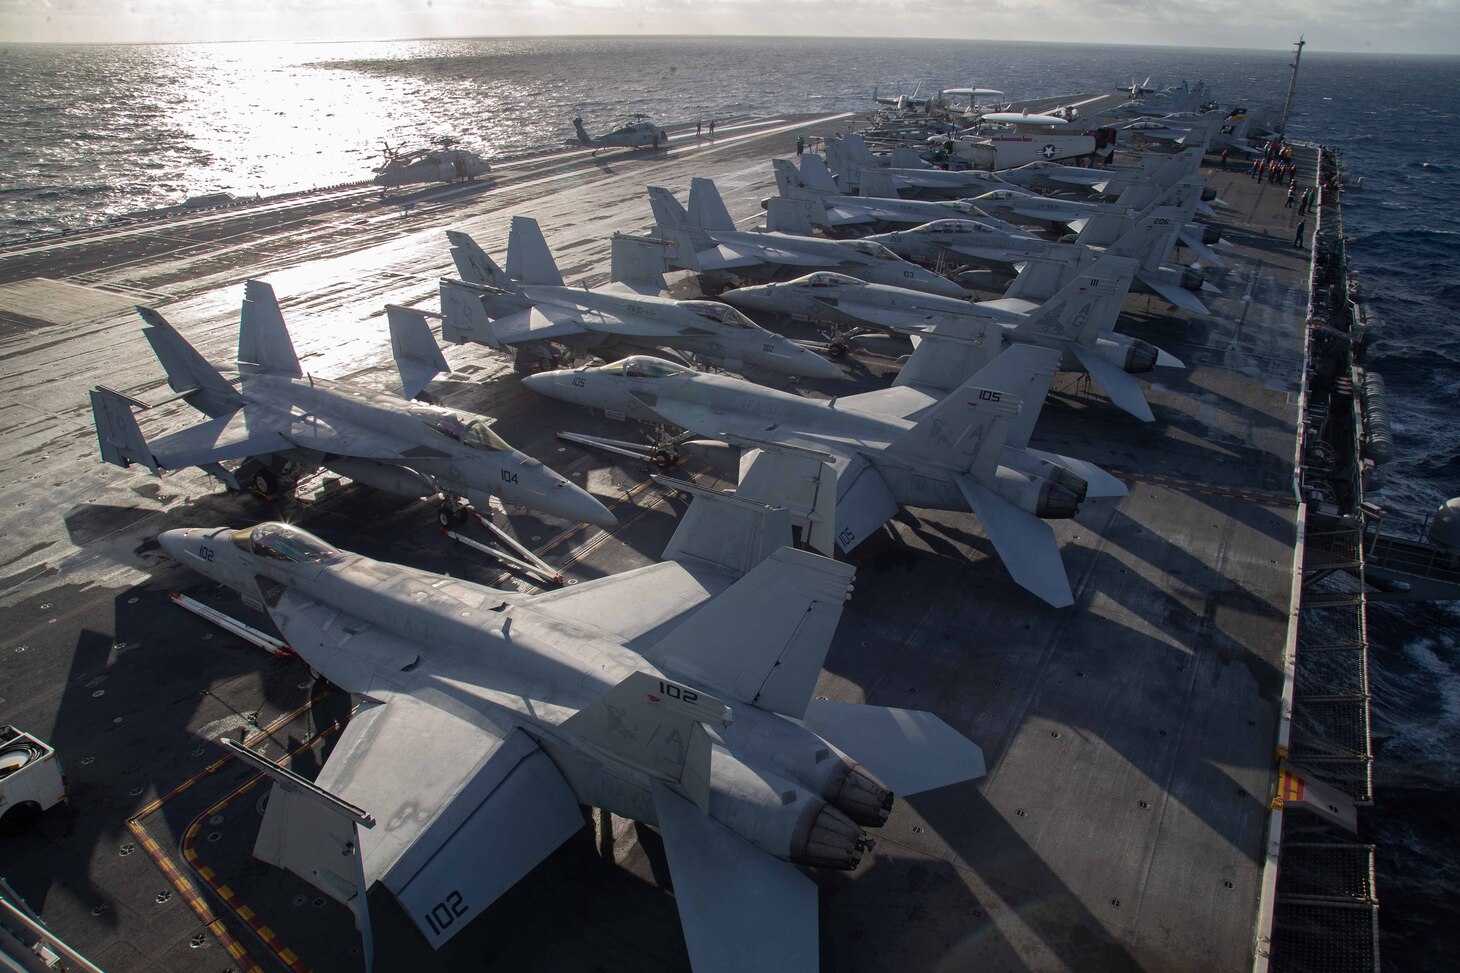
{"x":643,"y":366}
{"x":871,"y":249}
{"x":285,"y":543}
{"x":827,"y":279}
{"x":953,"y":227}
{"x":720,"y":313}
{"x":1003,"y":194}
{"x":468,"y":430}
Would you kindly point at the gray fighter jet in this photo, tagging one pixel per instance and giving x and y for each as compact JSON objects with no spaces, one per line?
{"x":715,"y":248}
{"x":530,"y":308}
{"x":849,"y":155}
{"x":276,"y":414}
{"x":830,"y":208}
{"x":678,"y":694}
{"x":633,"y":134}
{"x":917,"y":444}
{"x":1082,"y":332}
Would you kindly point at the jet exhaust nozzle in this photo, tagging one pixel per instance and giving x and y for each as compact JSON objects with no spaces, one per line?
{"x":832,"y":841}
{"x":1141,"y":357}
{"x":862,"y":797}
{"x":1208,"y":194}
{"x":1057,"y":499}
{"x":1210,"y":234}
{"x":1192,"y":278}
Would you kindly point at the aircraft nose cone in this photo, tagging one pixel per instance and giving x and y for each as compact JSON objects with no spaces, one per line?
{"x":756,"y":297}
{"x":173,"y":542}
{"x":546,"y":383}
{"x":811,"y":365}
{"x":588,"y":510}
{"x":942,"y":286}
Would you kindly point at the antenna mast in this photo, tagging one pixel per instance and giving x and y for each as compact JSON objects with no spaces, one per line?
{"x":1292,"y":85}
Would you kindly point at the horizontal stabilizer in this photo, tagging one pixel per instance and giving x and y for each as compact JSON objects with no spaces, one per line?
{"x":418,"y":358}
{"x":263,"y":338}
{"x":224,"y":438}
{"x":1024,"y":543}
{"x":863,"y":503}
{"x":741,"y":909}
{"x":1173,"y":293}
{"x":908,"y":750}
{"x":1123,"y":388}
{"x":117,"y":432}
{"x":804,"y":484}
{"x":1192,"y":240}
{"x":764,"y":638}
{"x":730,"y":531}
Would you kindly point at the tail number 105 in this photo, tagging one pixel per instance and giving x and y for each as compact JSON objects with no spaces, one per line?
{"x":443,"y":914}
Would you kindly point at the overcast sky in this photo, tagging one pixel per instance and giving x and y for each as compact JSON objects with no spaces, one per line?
{"x":1405,"y":26}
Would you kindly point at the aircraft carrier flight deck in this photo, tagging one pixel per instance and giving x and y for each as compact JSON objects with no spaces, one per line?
{"x":1130,"y":739}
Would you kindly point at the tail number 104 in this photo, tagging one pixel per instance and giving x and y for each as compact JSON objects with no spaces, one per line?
{"x":443,"y":914}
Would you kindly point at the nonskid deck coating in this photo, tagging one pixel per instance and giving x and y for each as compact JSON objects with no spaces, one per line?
{"x":1129,"y":738}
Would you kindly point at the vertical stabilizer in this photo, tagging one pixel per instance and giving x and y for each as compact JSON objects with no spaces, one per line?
{"x":788,"y":216}
{"x":816,"y":176}
{"x":264,"y":344}
{"x":1089,"y":304}
{"x":968,"y":429}
{"x":187,"y":371}
{"x":474,"y":266}
{"x":878,"y":184}
{"x":706,"y":207}
{"x":639,"y":262}
{"x":529,"y":260}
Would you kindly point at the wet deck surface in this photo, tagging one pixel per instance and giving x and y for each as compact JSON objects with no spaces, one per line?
{"x":1129,"y":738}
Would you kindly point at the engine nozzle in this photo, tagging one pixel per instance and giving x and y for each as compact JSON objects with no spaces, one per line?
{"x":1192,"y":278}
{"x":1057,"y":499}
{"x":833,"y":841}
{"x":1208,"y":194}
{"x":1210,"y":234}
{"x":1141,"y":356}
{"x":862,"y":797}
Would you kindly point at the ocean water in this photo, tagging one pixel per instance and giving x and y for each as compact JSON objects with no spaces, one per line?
{"x":95,"y":132}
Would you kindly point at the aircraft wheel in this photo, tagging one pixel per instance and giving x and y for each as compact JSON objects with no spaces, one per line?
{"x":265,"y":482}
{"x":661,"y":458}
{"x":444,"y":515}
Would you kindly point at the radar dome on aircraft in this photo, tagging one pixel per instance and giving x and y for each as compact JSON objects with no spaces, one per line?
{"x":1445,"y":527}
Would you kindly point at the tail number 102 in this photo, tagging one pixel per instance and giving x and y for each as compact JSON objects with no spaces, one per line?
{"x":443,"y":914}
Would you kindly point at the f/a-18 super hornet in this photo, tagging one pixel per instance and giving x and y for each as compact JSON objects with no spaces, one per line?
{"x":849,"y":155}
{"x":529,"y":308}
{"x":287,"y":421}
{"x":636,"y":133}
{"x":441,"y":164}
{"x":956,"y":442}
{"x":1078,"y":321}
{"x":830,"y":208}
{"x":715,"y":249}
{"x":679,"y":694}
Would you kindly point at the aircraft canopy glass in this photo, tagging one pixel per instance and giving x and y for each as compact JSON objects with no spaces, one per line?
{"x":828,"y":279}
{"x":722,"y":313}
{"x":478,"y":434}
{"x":953,"y":226}
{"x":285,"y":543}
{"x":643,"y":366}
{"x":870,"y":249}
{"x":1002,"y":194}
